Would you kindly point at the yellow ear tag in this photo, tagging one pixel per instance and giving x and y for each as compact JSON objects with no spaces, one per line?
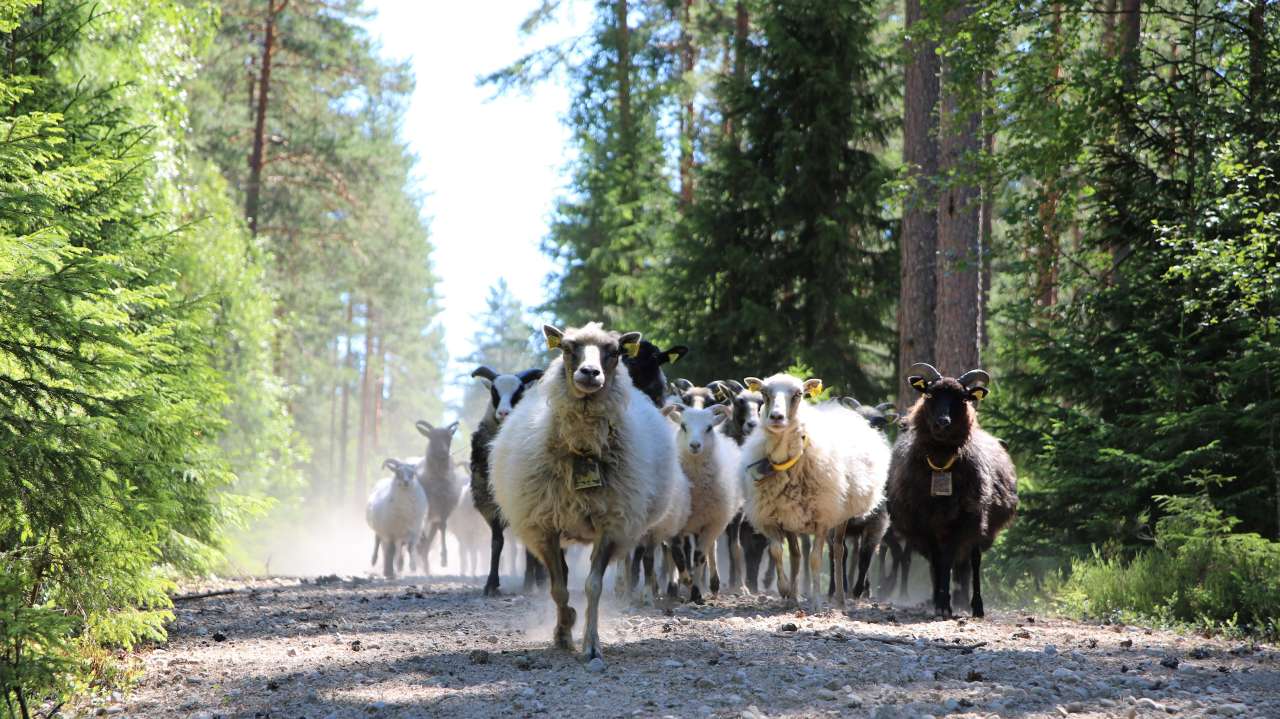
{"x":553,"y":342}
{"x":979,"y":392}
{"x":815,"y":391}
{"x":754,"y":386}
{"x":919,"y":384}
{"x":673,"y":356}
{"x":632,"y":349}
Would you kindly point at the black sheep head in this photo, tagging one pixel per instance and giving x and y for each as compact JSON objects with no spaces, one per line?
{"x":947,"y":408}
{"x":505,"y":390}
{"x":646,"y":366}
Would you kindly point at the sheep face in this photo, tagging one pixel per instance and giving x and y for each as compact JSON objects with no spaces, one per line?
{"x":697,"y":425}
{"x":436,"y":434}
{"x":405,"y":474}
{"x":946,"y":410}
{"x":782,"y":395}
{"x":590,"y":355}
{"x":505,"y":390}
{"x":878,"y":416}
{"x":646,"y":366}
{"x":746,"y":409}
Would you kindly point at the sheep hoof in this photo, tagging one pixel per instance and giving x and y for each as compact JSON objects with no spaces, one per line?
{"x":564,"y":638}
{"x":595,"y":666}
{"x":695,"y":596}
{"x":491,"y":590}
{"x":978,"y":612}
{"x":715,"y":585}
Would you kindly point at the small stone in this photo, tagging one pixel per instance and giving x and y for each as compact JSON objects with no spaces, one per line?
{"x":1170,"y":662}
{"x":373,"y":707}
{"x":833,"y":685}
{"x":292,"y":652}
{"x":951,"y":705}
{"x":973,"y":676}
{"x":1050,"y":650}
{"x":788,"y":627}
{"x":852,"y":700}
{"x":1232,"y":709}
{"x":596,"y":665}
{"x":1149,"y":703}
{"x":1201,"y":653}
{"x":826,"y":695}
{"x":479,"y":656}
{"x":673,"y":664}
{"x":355,"y":645}
{"x":1064,"y":674}
{"x":1075,"y":707}
{"x":1126,"y":643}
{"x":219,"y":637}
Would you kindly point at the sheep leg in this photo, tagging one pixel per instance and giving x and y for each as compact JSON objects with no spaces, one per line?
{"x":754,"y":545}
{"x":424,"y":548}
{"x":960,"y":578}
{"x":389,"y":560}
{"x":376,"y":542}
{"x":620,"y":570}
{"x":683,"y":557}
{"x":813,"y":559}
{"x":713,"y":581}
{"x":559,"y":573}
{"x":794,"y":549}
{"x":535,"y":574}
{"x":444,"y":545}
{"x":975,"y":562}
{"x":906,"y":572}
{"x":496,"y":540}
{"x":633,"y":568}
{"x":697,"y":571}
{"x":651,"y":579}
{"x":940,"y":564}
{"x":865,"y":552}
{"x":785,"y":590}
{"x":600,"y":555}
{"x":673,"y":562}
{"x":837,"y":548}
{"x":806,"y":546}
{"x":731,"y":533}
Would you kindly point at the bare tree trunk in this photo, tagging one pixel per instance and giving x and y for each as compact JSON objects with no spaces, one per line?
{"x":919,"y":243}
{"x":379,"y":385}
{"x":687,"y":126}
{"x":741,"y":27}
{"x":253,"y":192}
{"x":331,"y":481}
{"x":986,"y":231}
{"x":959,"y":249}
{"x":366,"y":407}
{"x":1129,"y":35}
{"x":1047,"y":253}
{"x":349,"y":361}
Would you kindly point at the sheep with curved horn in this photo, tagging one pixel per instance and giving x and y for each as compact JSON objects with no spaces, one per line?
{"x":952,"y":486}
{"x":440,"y":482}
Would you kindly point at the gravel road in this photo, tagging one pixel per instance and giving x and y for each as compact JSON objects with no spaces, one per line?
{"x":289,"y":647}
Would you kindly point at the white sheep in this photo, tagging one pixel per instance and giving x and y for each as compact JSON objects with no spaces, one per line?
{"x":710,"y":462}
{"x":809,"y":472}
{"x":439,"y":480}
{"x":471,"y":530}
{"x":394,"y":512}
{"x":585,"y":458}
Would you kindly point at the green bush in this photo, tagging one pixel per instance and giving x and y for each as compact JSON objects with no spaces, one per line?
{"x":1197,"y":572}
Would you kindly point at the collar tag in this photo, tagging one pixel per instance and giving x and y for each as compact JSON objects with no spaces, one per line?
{"x":761,"y":470}
{"x":941,"y":484}
{"x":586,"y":473}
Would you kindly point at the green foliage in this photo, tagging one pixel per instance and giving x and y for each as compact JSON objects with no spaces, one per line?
{"x":1198,"y":572}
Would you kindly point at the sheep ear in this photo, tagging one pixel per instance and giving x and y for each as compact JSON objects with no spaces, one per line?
{"x":486,"y":382}
{"x":484,"y":372}
{"x":553,"y":335}
{"x":453,"y":427}
{"x":391,"y":464}
{"x":888,"y":410}
{"x":530,"y":375}
{"x":424,"y":427}
{"x":681,"y":384}
{"x":918,"y":382}
{"x":813,"y":387}
{"x":721,"y":412}
{"x":671,"y":412}
{"x":850,"y":403}
{"x":755,"y":384}
{"x":673,"y":354}
{"x":976,"y":381}
{"x":630,"y":343}
{"x":734,"y":385}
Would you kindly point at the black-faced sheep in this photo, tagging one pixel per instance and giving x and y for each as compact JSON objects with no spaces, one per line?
{"x":440,"y":482}
{"x":646,"y":369}
{"x":809,"y":472}
{"x":505,"y":392}
{"x":585,"y":458}
{"x":952,"y":486}
{"x":394,"y":512}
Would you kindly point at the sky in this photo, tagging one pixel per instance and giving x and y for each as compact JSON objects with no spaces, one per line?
{"x":489,"y":168}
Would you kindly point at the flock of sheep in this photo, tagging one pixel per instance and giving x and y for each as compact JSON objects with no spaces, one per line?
{"x":600,"y":449}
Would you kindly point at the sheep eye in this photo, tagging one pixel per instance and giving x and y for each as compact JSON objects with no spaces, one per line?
{"x":708,"y":429}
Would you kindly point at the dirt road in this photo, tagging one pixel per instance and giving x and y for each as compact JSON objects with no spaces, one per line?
{"x":359,"y":648}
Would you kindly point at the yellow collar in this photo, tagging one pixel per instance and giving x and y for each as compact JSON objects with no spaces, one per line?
{"x":791,"y":462}
{"x":944,"y":467}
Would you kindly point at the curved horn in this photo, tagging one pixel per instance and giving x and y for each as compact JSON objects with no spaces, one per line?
{"x":974,"y":378}
{"x":850,"y":403}
{"x":486,"y":372}
{"x":424,"y":427}
{"x":734,"y":385}
{"x":391,"y":464}
{"x":530,"y":375}
{"x":931,"y":373}
{"x":682,"y":384}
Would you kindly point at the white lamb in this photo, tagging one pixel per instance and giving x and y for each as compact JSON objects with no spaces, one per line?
{"x":710,"y":461}
{"x":395,"y":510}
{"x":809,"y":472}
{"x":469,"y":527}
{"x":586,"y":457}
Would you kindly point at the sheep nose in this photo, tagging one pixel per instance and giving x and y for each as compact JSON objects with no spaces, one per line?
{"x":502,"y":414}
{"x":695,"y":446}
{"x":943,"y":422}
{"x":775,"y":414}
{"x":590,"y":371}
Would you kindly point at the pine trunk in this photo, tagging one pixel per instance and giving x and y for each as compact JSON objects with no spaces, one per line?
{"x":919,"y":243}
{"x":687,"y":126}
{"x":956,"y":344}
{"x":624,"y":78}
{"x":344,"y":438}
{"x":257,"y":158}
{"x":366,"y":408}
